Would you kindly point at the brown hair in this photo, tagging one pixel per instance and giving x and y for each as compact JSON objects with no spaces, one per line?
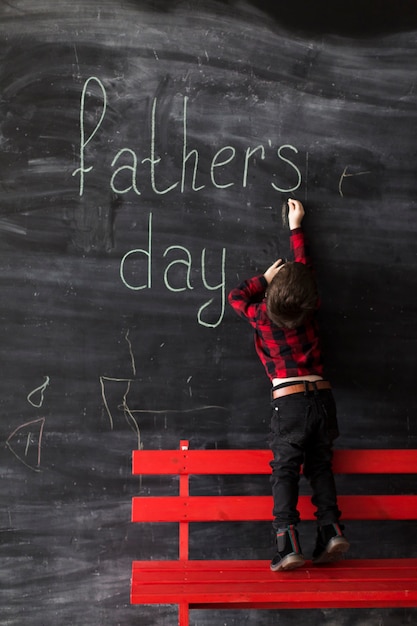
{"x":292,"y":295}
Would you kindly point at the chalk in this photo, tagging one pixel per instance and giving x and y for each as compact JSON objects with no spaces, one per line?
{"x":284,"y":213}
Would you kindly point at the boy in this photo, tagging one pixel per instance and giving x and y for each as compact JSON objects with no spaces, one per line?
{"x":281,"y":306}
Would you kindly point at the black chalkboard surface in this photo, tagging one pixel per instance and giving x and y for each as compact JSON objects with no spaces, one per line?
{"x":146,"y":150}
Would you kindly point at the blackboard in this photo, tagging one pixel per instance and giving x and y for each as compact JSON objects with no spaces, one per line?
{"x":146,"y":150}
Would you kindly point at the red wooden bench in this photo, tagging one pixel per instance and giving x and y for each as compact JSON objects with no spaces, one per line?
{"x":249,"y":584}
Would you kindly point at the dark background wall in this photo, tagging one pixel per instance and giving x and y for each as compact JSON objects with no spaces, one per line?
{"x":129,"y":208}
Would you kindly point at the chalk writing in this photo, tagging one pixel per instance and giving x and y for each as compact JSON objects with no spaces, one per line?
{"x":126,"y":162}
{"x":39,"y":390}
{"x":103,"y":379}
{"x":132,"y":358}
{"x":128,"y":413}
{"x":346,"y":175}
{"x":205,"y":407}
{"x":131,"y":260}
{"x":130,"y":419}
{"x":83,"y":141}
{"x":30,"y":438}
{"x":128,"y":175}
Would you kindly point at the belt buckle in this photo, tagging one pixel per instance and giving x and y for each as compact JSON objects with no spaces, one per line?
{"x":313,"y":384}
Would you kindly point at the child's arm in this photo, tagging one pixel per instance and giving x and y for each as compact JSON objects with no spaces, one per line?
{"x":295,"y":213}
{"x":295,"y":217}
{"x":297,"y":241}
{"x":246,"y":297}
{"x":272,"y":270}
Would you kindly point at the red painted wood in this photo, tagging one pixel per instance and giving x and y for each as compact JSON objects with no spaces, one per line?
{"x":184,"y":528}
{"x":259,"y":508}
{"x":183,"y":614}
{"x":257,"y":462}
{"x":251,"y":584}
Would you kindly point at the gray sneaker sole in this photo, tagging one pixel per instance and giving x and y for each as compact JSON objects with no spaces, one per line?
{"x":291,"y":561}
{"x":335,"y":550}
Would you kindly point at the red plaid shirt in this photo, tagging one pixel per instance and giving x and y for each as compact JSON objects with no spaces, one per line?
{"x":284,"y":352}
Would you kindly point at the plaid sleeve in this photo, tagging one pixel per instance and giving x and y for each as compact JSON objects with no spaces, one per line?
{"x":246,"y":297}
{"x":299,"y":247}
{"x":300,"y":250}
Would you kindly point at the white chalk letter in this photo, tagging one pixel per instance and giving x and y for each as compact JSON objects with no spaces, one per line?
{"x":185,"y":262}
{"x":83,"y":141}
{"x":227,"y":160}
{"x":292,"y":165}
{"x":152,"y":160}
{"x":148,"y":255}
{"x":213,"y":288}
{"x":133,"y":168}
{"x":186,"y":156}
{"x":250,"y":152}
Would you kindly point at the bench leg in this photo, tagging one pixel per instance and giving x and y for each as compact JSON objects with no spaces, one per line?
{"x":183,"y":615}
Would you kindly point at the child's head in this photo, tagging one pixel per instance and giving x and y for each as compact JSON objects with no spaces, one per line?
{"x":292,"y":295}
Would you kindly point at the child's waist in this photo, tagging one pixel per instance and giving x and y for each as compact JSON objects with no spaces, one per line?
{"x":295,"y":379}
{"x":301,"y":384}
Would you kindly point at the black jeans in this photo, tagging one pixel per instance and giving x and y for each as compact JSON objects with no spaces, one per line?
{"x":303,"y":428}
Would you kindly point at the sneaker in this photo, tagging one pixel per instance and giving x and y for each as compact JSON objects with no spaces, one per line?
{"x":289,"y":555}
{"x":331,"y":544}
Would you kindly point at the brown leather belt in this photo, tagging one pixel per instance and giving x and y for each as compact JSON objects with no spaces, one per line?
{"x":301,"y":388}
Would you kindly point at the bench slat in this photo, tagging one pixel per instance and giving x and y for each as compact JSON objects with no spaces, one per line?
{"x":169,"y":462}
{"x":259,"y":508}
{"x":240,"y":584}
